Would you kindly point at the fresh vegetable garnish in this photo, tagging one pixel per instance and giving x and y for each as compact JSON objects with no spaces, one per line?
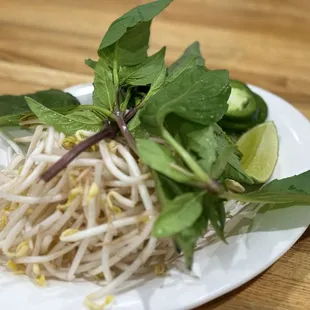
{"x":173,"y":164}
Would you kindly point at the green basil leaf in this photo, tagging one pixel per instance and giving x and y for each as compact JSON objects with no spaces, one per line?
{"x":135,"y":122}
{"x":196,"y":95}
{"x":104,"y":89}
{"x":90,"y":63}
{"x":123,"y":53}
{"x":295,"y":189}
{"x":161,"y":159}
{"x":215,"y":211}
{"x":186,"y":239}
{"x":140,"y":133}
{"x":201,"y":141}
{"x":127,"y":39}
{"x":221,"y":162}
{"x":136,"y":129}
{"x":14,"y":108}
{"x":191,"y":58}
{"x":159,"y":187}
{"x":144,"y":73}
{"x":69,"y":123}
{"x":223,"y":141}
{"x":235,"y":172}
{"x":171,"y":188}
{"x":167,"y":189}
{"x":157,"y":83}
{"x":197,"y":139}
{"x":178,"y":214}
{"x":233,"y":169}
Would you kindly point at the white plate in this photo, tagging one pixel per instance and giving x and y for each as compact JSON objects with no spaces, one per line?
{"x":221,"y":268}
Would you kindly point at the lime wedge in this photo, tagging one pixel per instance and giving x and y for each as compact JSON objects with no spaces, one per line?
{"x":259,"y":147}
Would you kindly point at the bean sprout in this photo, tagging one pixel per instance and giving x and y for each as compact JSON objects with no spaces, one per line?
{"x":92,"y":221}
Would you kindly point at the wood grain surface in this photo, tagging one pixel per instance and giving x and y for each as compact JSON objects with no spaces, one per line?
{"x":267,"y":43}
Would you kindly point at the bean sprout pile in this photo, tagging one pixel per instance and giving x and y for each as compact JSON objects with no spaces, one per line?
{"x":92,"y":221}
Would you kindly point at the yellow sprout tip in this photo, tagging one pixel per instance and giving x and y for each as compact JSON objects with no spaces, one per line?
{"x":69,"y":142}
{"x":73,"y":193}
{"x":109,"y":299}
{"x":68,"y":232}
{"x":11,"y":206}
{"x":22,"y":249}
{"x":99,"y":276}
{"x":41,"y":280}
{"x":12,"y":265}
{"x":16,"y":268}
{"x":3,"y":221}
{"x":144,"y":219}
{"x":98,"y":306}
{"x":115,"y":209}
{"x":160,"y":269}
{"x":93,"y":191}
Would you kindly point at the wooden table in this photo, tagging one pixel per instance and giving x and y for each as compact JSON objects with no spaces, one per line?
{"x":44,"y":43}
